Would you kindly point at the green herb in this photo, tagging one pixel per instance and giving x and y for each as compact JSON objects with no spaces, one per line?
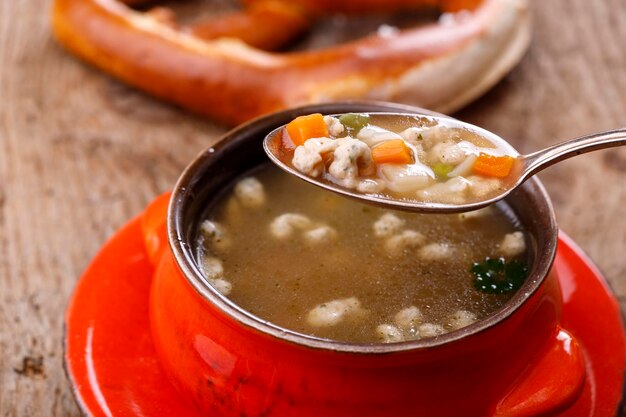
{"x":442,"y":170}
{"x":354,"y":121}
{"x":497,"y":276}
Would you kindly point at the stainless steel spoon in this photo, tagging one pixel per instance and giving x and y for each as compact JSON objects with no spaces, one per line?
{"x":530,"y":164}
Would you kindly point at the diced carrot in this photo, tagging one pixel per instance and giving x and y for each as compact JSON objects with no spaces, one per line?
{"x":493,"y":166}
{"x":303,"y":128}
{"x":392,"y":151}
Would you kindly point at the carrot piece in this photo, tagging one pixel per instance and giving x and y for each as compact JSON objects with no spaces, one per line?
{"x":493,"y":166}
{"x":392,"y":151}
{"x":303,"y":128}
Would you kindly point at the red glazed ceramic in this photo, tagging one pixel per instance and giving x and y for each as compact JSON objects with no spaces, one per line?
{"x":227,"y":362}
{"x":115,"y":372}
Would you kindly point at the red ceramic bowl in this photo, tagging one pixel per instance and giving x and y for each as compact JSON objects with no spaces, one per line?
{"x":227,"y":362}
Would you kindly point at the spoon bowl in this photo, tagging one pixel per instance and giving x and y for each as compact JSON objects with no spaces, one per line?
{"x":524,"y":167}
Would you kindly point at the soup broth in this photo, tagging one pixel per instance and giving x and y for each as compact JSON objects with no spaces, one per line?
{"x":319,"y":264}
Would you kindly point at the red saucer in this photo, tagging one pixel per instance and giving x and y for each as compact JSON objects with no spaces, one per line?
{"x":114,"y":370}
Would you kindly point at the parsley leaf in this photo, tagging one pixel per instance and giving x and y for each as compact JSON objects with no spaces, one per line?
{"x":497,"y":276}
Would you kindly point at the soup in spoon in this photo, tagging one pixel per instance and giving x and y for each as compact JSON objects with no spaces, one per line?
{"x":400,"y":157}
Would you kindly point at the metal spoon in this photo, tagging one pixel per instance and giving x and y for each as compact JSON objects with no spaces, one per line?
{"x":528,"y":164}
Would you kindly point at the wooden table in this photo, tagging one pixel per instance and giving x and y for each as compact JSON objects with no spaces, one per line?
{"x":80,"y":154}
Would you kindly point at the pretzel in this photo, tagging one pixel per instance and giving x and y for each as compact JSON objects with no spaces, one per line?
{"x":224,"y":69}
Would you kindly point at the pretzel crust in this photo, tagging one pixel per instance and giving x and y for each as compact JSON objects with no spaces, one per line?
{"x":440,"y":66}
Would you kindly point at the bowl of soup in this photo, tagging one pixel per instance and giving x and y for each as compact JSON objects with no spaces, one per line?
{"x":272,"y":297}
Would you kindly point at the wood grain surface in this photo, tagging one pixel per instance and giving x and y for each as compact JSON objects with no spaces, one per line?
{"x":80,"y":154}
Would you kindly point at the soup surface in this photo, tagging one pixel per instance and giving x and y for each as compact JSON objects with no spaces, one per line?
{"x":413,"y":158}
{"x":319,"y":264}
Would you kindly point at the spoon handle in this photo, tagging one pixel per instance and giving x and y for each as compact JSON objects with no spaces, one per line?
{"x":539,"y":160}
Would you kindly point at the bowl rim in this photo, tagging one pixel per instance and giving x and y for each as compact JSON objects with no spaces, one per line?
{"x":185,"y":258}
